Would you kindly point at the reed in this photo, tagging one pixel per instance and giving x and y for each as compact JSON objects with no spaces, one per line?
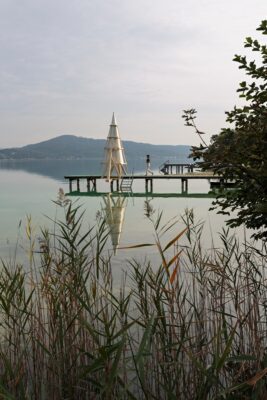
{"x":191,"y":327}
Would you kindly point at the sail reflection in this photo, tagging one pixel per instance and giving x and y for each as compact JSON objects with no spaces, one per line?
{"x":114,"y":210}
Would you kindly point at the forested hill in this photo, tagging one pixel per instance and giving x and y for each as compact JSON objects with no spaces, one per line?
{"x":73,"y":147}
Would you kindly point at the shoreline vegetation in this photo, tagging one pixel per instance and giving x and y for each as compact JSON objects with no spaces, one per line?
{"x":191,"y":327}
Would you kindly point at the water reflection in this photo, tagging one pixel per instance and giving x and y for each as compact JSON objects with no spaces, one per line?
{"x":57,"y":169}
{"x":114,"y":210}
{"x":209,"y":195}
{"x":148,"y":208}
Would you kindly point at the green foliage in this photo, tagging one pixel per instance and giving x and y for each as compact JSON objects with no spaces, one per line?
{"x":239,"y":153}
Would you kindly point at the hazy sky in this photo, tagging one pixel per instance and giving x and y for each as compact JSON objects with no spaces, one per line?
{"x":66,"y":65}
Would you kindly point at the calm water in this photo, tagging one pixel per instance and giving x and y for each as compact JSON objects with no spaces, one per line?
{"x":28,"y":188}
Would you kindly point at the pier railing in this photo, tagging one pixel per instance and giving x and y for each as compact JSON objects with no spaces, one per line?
{"x":169,"y":168}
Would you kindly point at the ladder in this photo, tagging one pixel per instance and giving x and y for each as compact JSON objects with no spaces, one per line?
{"x":163,"y":168}
{"x":126,"y":184}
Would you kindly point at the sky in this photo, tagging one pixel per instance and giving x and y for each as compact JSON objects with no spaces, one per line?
{"x":66,"y":65}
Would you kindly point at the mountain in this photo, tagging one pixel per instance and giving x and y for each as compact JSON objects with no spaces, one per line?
{"x":70,"y":147}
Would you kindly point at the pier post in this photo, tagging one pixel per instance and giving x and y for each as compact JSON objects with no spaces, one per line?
{"x":184,"y":182}
{"x":78,"y":185}
{"x":112,"y":185}
{"x":70,"y":185}
{"x":91,"y":181}
{"x":149,"y":184}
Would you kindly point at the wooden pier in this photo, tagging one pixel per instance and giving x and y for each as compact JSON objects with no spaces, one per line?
{"x":116,"y":183}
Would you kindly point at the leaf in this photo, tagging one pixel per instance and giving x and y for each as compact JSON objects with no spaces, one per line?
{"x":144,"y":347}
{"x":257,"y":377}
{"x":241,"y":358}
{"x":174,"y":273}
{"x":113,"y":372}
{"x":164,"y":262}
{"x":175,"y":239}
{"x":135,"y":246}
{"x":174,"y":259}
{"x":227,"y":349}
{"x":250,"y":382}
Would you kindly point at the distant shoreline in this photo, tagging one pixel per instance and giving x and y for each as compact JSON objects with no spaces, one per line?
{"x":73,"y":148}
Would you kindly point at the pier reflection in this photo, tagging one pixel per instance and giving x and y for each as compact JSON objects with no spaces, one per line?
{"x":151,"y":195}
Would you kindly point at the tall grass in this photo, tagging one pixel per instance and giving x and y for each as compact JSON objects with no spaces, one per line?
{"x":191,"y":327}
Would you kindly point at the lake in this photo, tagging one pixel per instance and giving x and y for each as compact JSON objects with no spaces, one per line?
{"x":28,"y":189}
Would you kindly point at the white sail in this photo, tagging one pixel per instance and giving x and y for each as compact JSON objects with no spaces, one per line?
{"x":114,"y":161}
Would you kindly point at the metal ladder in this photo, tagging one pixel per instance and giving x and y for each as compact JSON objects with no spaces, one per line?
{"x":126,"y":184}
{"x":163,"y":168}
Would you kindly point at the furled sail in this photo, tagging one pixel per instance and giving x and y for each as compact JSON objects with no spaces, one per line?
{"x":114,"y":161}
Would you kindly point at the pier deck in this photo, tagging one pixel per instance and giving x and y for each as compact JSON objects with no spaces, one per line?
{"x":148,"y":180}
